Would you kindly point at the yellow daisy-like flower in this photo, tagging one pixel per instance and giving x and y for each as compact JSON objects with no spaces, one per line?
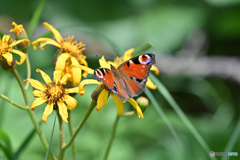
{"x":6,"y":47}
{"x":20,"y":33}
{"x":18,"y":29}
{"x":71,"y":53}
{"x":104,"y":94}
{"x":54,"y":94}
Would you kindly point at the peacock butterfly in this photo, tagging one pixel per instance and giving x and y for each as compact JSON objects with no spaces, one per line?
{"x":130,"y":78}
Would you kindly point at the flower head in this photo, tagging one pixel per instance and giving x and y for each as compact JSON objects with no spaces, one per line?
{"x":20,"y":33}
{"x":70,"y":53}
{"x":6,"y":48}
{"x":102,"y":93}
{"x":54,"y":94}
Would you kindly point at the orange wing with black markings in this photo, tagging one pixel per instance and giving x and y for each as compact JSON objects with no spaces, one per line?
{"x":130,"y":78}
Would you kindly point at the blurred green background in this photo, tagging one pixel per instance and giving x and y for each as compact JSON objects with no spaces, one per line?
{"x":179,"y":31}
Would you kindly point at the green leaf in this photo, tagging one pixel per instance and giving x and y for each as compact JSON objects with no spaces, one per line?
{"x":26,"y":142}
{"x":5,"y":144}
{"x":35,"y":18}
{"x":165,"y":93}
{"x":162,"y":114}
{"x":46,"y":157}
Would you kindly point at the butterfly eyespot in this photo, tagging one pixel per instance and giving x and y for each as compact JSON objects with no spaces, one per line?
{"x":145,"y":59}
{"x":99,"y":74}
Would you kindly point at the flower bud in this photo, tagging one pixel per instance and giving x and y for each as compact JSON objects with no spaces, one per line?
{"x":20,"y":34}
{"x":143,"y":103}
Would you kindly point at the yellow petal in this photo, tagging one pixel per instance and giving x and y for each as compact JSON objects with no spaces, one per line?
{"x":76,"y":72}
{"x":87,"y":69}
{"x":155,"y":69}
{"x":127,"y":54}
{"x":150,"y":84}
{"x":38,"y":102}
{"x":55,"y":32}
{"x":57,"y":76}
{"x":84,"y":62}
{"x":103,"y":63}
{"x":36,"y":84}
{"x":7,"y":38}
{"x":37,"y":93}
{"x":21,"y":54}
{"x":73,"y":90}
{"x":49,"y":40}
{"x":8,"y":57}
{"x":119,"y":104}
{"x":65,"y":78}
{"x":63,"y":111}
{"x":20,"y":41}
{"x":102,"y":99}
{"x":48,"y":110}
{"x":61,"y":61}
{"x":135,"y":105}
{"x":87,"y":81}
{"x":71,"y":102}
{"x":85,"y":74}
{"x":45,"y":77}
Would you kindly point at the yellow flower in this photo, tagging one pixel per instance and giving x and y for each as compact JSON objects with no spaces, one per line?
{"x":6,"y":47}
{"x":71,"y":53}
{"x":20,"y":33}
{"x":18,"y":29}
{"x":104,"y":94}
{"x":54,"y":94}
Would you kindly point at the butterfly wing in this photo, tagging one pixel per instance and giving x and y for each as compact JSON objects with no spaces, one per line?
{"x":111,"y":79}
{"x":135,"y":72}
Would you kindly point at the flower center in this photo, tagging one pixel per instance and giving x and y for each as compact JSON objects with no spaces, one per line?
{"x":55,"y":92}
{"x":74,"y":48}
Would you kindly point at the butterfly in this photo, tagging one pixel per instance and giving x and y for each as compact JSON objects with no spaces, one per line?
{"x":130,"y":78}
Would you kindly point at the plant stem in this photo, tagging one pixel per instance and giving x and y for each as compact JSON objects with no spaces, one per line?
{"x":28,"y":69}
{"x":13,"y":103}
{"x":31,"y":114}
{"x":70,"y":127}
{"x":112,"y":137}
{"x":89,"y":111}
{"x":61,"y":153}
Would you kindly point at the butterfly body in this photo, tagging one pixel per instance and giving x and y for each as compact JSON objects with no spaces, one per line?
{"x":129,"y":79}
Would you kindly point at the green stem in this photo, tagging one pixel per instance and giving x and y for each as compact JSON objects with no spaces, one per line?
{"x":28,"y":69}
{"x":112,"y":137}
{"x":31,"y":114}
{"x":70,"y":127}
{"x":61,"y":153}
{"x":161,"y":88}
{"x":13,"y":103}
{"x":89,"y":111}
